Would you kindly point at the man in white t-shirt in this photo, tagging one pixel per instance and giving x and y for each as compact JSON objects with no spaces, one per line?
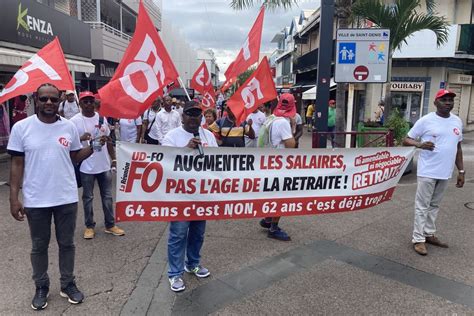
{"x":149,"y":117}
{"x":166,"y":120}
{"x":439,"y":135}
{"x":257,"y":118}
{"x":43,"y":148}
{"x":93,"y":128}
{"x":130,"y":130}
{"x":68,"y":108}
{"x":281,"y":126}
{"x":187,"y":238}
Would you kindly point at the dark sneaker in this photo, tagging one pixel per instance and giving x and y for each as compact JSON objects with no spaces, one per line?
{"x":177,"y":284}
{"x":279,"y":234}
{"x":433,"y":240}
{"x":72,"y":293}
{"x":420,"y":248}
{"x":40,"y":301}
{"x":198,"y":271}
{"x":265,"y":224}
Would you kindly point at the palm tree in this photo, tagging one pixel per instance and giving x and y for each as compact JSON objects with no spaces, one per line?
{"x":402,"y":18}
{"x":343,"y":13}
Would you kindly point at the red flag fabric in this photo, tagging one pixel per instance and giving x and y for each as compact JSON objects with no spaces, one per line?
{"x":256,"y":90}
{"x":48,"y":65}
{"x":145,"y":70}
{"x":228,"y":84}
{"x":250,"y":51}
{"x":208,"y":99}
{"x":201,"y":80}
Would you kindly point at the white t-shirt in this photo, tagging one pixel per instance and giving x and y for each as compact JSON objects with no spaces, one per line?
{"x":280,"y":130}
{"x":99,"y":161}
{"x":149,"y":115}
{"x":70,"y":109}
{"x":298,"y":119}
{"x":49,"y":178}
{"x":128,"y":129}
{"x":178,"y":137}
{"x":257,"y":121}
{"x":445,"y":133}
{"x":164,"y":122}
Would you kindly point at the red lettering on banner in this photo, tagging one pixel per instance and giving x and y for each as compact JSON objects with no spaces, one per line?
{"x":181,"y":186}
{"x":236,"y":209}
{"x":271,"y":162}
{"x":148,"y":170}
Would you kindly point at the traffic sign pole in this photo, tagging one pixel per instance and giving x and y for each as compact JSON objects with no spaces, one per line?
{"x":324,"y":69}
{"x":350,"y":112}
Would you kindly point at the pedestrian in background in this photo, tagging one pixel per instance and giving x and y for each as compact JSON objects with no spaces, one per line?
{"x":332,"y":121}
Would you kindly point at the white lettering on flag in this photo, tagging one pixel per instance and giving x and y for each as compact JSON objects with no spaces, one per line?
{"x":248,"y":95}
{"x":150,"y":73}
{"x":22,"y":77}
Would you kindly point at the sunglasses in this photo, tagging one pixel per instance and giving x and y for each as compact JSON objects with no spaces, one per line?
{"x":52,"y":99}
{"x":193,"y":112}
{"x":88,"y":101}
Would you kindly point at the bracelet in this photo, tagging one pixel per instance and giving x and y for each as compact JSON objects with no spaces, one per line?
{"x":462,"y":171}
{"x":114,"y":160}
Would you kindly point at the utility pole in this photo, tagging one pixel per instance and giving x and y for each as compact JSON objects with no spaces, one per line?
{"x":325,"y":54}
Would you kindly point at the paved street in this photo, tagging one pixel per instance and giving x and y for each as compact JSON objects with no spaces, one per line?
{"x":349,"y":263}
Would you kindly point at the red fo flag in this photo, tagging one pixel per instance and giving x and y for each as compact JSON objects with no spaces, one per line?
{"x":201,"y":80}
{"x":145,"y":70}
{"x":257,"y":89}
{"x":48,"y":65}
{"x":208,"y":99}
{"x":250,"y":51}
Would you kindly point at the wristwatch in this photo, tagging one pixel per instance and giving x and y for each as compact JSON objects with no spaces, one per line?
{"x":462,"y":171}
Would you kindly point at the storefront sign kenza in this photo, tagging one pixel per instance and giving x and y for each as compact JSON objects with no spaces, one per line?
{"x":171,"y":184}
{"x":31,"y":23}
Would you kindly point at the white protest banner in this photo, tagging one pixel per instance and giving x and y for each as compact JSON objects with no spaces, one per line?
{"x":156,"y":183}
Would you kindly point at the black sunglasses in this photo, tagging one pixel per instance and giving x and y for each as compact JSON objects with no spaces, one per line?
{"x":88,"y":101}
{"x":45,"y":99}
{"x":193,"y":112}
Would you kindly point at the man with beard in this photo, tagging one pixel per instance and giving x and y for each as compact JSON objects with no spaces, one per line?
{"x":43,"y":148}
{"x":187,"y":237}
{"x":439,"y":135}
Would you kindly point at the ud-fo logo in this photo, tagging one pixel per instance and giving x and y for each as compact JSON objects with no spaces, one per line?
{"x":30,"y":23}
{"x":144,"y":170}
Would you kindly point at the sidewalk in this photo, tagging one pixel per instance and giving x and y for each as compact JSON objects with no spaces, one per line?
{"x":349,"y":263}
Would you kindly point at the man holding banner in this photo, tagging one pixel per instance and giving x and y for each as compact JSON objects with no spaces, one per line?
{"x":280,"y":127}
{"x":187,"y":236}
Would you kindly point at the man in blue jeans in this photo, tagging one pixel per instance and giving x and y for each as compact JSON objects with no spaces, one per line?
{"x":92,"y":129}
{"x":43,"y":148}
{"x":187,"y":237}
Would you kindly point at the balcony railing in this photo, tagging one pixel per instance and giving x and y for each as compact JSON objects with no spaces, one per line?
{"x":466,"y":39}
{"x":108,"y":28}
{"x":306,"y":62}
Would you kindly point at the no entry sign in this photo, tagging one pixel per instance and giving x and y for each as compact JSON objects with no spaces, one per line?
{"x":361,"y":73}
{"x":362,"y":55}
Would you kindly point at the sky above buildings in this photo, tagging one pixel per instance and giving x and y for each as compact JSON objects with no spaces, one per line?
{"x":213,"y":24}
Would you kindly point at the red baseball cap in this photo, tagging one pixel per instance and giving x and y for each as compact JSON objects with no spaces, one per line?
{"x":441,"y":93}
{"x":85,"y":94}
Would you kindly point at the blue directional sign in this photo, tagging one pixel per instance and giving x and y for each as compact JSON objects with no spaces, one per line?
{"x":347,"y":53}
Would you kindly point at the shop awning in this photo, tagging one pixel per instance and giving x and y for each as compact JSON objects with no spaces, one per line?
{"x":13,"y":57}
{"x":310,"y":94}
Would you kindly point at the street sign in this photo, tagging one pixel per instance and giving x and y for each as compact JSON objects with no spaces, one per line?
{"x":362,"y":55}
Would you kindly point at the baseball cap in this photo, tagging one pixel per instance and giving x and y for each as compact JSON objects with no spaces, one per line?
{"x":286,"y":106}
{"x":68,"y":92}
{"x":192,"y":108}
{"x":441,"y":93}
{"x":86,"y":94}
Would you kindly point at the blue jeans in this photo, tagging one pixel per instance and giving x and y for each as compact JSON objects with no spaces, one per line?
{"x":104,"y":180}
{"x":39,"y":220}
{"x":184,"y":237}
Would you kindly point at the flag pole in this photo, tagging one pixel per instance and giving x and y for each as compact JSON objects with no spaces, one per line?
{"x":185,"y":90}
